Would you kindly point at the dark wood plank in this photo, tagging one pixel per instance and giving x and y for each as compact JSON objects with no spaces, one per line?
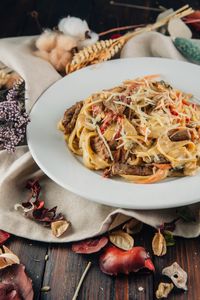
{"x":64,"y":269}
{"x":32,"y":255}
{"x":186,"y":254}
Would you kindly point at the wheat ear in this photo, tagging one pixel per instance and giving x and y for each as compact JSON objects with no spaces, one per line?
{"x":106,"y":49}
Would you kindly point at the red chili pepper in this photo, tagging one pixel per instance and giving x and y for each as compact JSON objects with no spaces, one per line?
{"x":114,"y":260}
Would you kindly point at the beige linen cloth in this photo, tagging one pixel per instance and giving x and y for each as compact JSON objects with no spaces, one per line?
{"x":87,"y":218}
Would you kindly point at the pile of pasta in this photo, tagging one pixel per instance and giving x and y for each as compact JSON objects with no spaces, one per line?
{"x":143,"y":130}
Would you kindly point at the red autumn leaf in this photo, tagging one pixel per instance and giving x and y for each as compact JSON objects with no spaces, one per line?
{"x":90,"y":245}
{"x":114,"y":260}
{"x":15,"y":284}
{"x":3,"y":237}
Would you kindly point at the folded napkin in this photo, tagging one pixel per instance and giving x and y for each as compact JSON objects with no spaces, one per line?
{"x":87,"y":218}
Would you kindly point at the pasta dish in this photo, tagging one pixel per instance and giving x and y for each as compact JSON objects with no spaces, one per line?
{"x":143,"y":130}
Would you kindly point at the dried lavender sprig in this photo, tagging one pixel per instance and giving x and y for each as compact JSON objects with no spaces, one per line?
{"x":13,"y":118}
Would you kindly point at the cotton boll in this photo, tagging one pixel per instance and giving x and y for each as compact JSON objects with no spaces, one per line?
{"x":78,"y":29}
{"x":46,"y":41}
{"x":42,"y":54}
{"x":66,"y":43}
{"x":59,"y":59}
{"x":87,"y":42}
{"x":73,"y":26}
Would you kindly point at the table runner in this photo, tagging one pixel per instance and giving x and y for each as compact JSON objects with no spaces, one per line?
{"x":87,"y":218}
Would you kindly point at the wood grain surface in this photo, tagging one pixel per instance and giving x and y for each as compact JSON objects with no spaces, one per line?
{"x":63,"y":269}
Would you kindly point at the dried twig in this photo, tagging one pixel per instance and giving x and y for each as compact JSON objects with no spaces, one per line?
{"x":81,"y":281}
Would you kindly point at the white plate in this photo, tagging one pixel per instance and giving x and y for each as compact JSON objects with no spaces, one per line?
{"x":50,"y":152}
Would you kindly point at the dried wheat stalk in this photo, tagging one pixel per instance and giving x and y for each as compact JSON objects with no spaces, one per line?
{"x":106,"y":49}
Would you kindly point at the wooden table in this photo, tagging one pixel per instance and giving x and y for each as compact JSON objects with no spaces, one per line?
{"x":63,"y":269}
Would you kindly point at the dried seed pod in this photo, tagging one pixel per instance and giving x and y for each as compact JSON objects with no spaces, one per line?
{"x":7,"y":257}
{"x":159,"y":244}
{"x":163,"y":290}
{"x":177,"y":275}
{"x":98,"y":52}
{"x":59,"y":227}
{"x":121,"y":239}
{"x":45,"y":289}
{"x":133,"y":226}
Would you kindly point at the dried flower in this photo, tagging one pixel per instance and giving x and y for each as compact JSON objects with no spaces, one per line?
{"x":13,"y":118}
{"x":59,"y":227}
{"x":121,"y":239}
{"x":177,"y":275}
{"x":7,"y":258}
{"x":159,"y":244}
{"x":163,"y":290}
{"x":34,"y":207}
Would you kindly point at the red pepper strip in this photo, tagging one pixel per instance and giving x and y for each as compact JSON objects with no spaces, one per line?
{"x":163,"y":166}
{"x":185,"y":102}
{"x":173,"y":112}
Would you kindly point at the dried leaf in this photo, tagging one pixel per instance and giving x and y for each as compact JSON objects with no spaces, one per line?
{"x":7,"y":257}
{"x":3,"y":236}
{"x":177,"y":275}
{"x":90,"y":245}
{"x":159,"y":244}
{"x":59,"y":227}
{"x":14,"y":281}
{"x":35,"y":209}
{"x":169,"y":238}
{"x":133,"y":226}
{"x":163,"y":290}
{"x":121,"y":239}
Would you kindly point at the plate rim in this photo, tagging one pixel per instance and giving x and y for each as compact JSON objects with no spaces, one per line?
{"x":83,"y":194}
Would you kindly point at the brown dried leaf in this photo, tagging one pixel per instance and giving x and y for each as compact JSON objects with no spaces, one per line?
{"x":7,"y":257}
{"x":163,"y":290}
{"x":133,"y":226}
{"x":121,"y":239}
{"x":177,"y":275}
{"x":59,"y":227}
{"x":159,"y":244}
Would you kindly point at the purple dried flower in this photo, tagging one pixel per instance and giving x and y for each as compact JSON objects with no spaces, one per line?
{"x":13,"y":118}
